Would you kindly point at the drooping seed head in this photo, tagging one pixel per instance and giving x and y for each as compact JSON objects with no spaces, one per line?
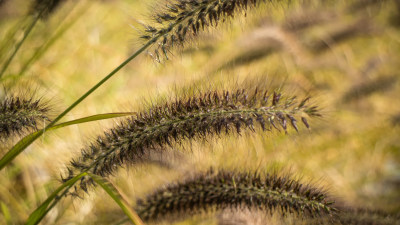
{"x":202,"y":116}
{"x":221,"y":190}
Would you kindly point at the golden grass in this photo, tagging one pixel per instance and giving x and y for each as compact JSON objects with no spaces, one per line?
{"x":353,"y":151}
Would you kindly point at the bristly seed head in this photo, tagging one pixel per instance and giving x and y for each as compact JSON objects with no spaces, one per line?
{"x":232,"y":190}
{"x":189,"y":118}
{"x":180,"y":20}
{"x":18,"y":115}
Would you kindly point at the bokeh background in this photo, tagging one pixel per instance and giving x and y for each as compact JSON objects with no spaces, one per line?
{"x":345,"y":54}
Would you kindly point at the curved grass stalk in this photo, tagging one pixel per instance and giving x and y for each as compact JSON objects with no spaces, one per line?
{"x":27,"y":139}
{"x":52,"y":200}
{"x":7,"y":39}
{"x":41,"y":9}
{"x":43,"y":49}
{"x":62,"y":191}
{"x":115,"y":195}
{"x":18,"y":45}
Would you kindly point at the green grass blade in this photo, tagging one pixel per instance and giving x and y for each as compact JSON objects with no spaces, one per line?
{"x":114,"y":194}
{"x":8,"y":39}
{"x":92,"y":118}
{"x":51,"y":201}
{"x":27,"y":140}
{"x":6,"y":213}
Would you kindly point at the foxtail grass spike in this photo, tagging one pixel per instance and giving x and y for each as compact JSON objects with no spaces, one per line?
{"x":221,"y":190}
{"x":180,"y":20}
{"x":202,"y":116}
{"x":19,"y":115}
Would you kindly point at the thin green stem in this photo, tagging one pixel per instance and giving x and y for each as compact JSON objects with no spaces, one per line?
{"x":101,"y":82}
{"x":10,"y":155}
{"x":18,"y":46}
{"x":37,"y":215}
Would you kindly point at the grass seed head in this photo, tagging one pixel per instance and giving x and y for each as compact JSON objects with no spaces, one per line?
{"x":235,"y":190}
{"x":202,"y":116}
{"x":181,"y":20}
{"x":21,"y":114}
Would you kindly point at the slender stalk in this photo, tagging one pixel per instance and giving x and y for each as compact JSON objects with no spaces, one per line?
{"x":37,"y":215}
{"x":54,"y":203}
{"x":43,"y":49}
{"x":21,"y":146}
{"x":18,"y":46}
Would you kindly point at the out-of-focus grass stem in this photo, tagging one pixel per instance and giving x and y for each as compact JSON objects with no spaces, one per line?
{"x":19,"y":44}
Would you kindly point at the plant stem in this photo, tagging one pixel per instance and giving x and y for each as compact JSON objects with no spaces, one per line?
{"x":43,"y":49}
{"x":18,"y":46}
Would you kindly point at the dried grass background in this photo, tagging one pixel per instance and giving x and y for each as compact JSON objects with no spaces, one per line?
{"x":345,"y":54}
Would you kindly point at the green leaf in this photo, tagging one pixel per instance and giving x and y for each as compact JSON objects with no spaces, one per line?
{"x":27,"y":140}
{"x":45,"y":207}
{"x":114,"y":194}
{"x":92,"y":118}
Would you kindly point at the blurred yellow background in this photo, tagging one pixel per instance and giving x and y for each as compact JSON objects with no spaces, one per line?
{"x":345,"y":54}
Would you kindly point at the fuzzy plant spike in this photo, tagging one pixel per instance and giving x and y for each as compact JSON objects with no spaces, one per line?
{"x":181,"y":20}
{"x":21,"y":114}
{"x":202,"y":116}
{"x":354,"y":216}
{"x":221,"y":190}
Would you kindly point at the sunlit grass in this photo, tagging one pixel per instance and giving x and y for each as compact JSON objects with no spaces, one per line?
{"x":353,"y":151}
